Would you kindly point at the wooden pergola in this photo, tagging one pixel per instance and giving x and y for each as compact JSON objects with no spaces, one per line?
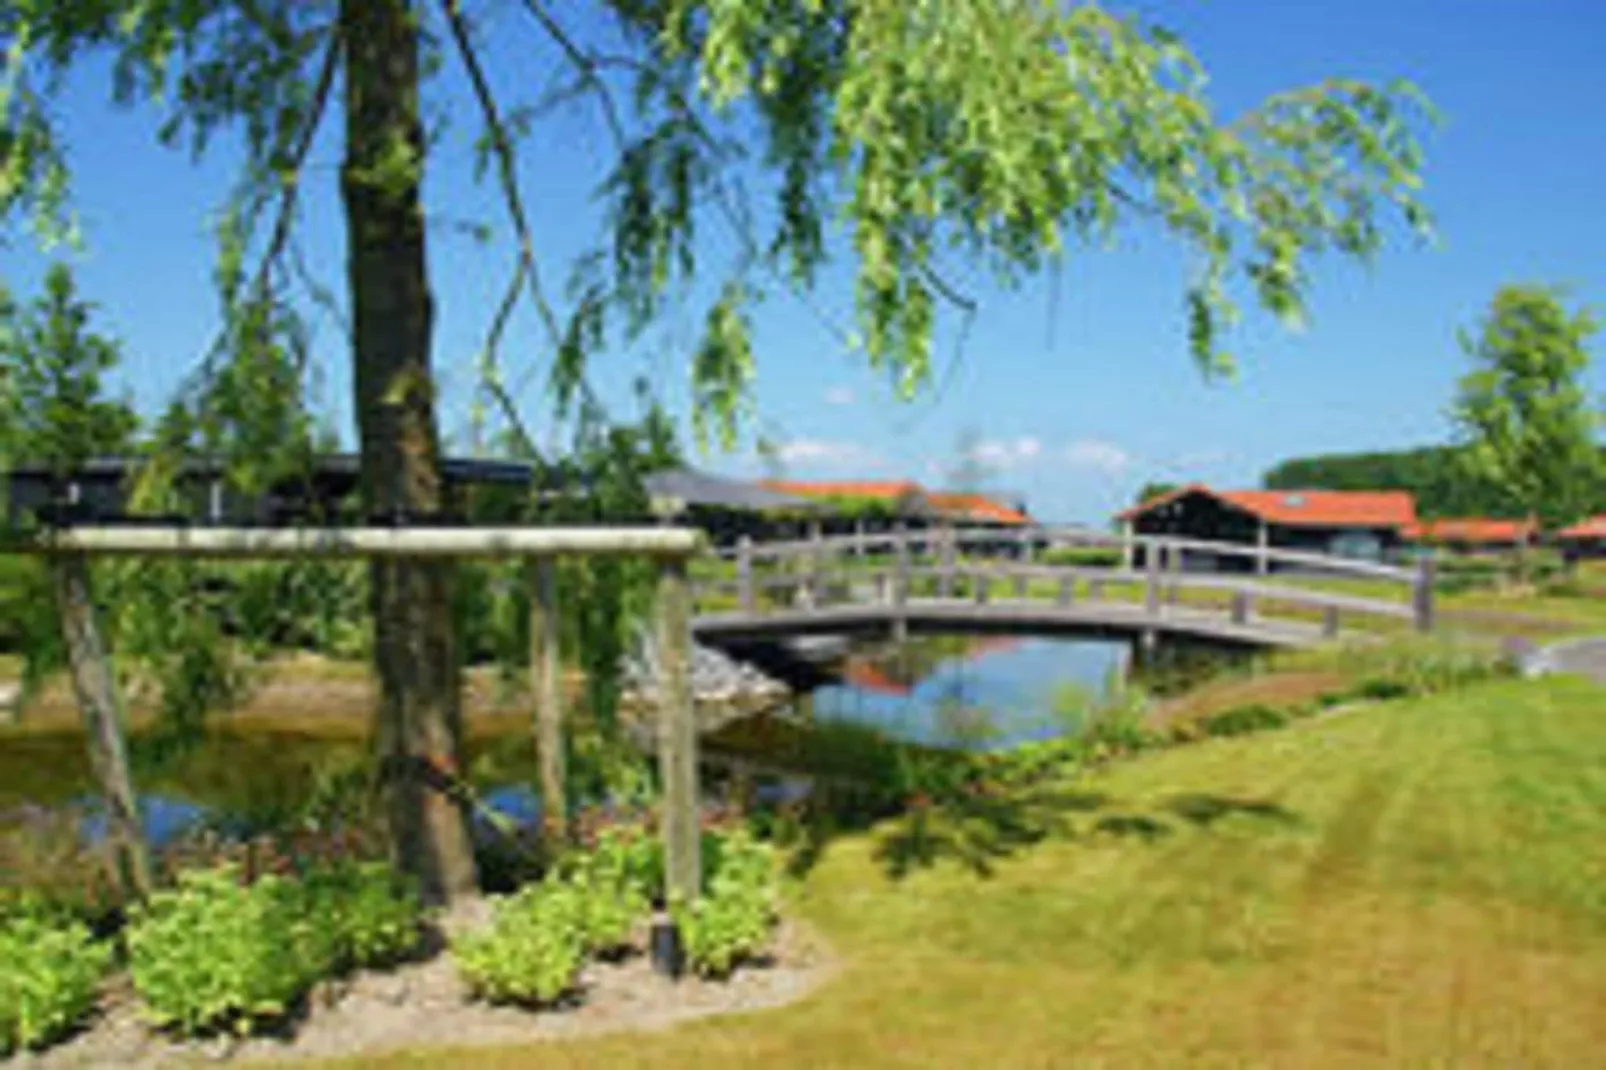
{"x":672,"y":548}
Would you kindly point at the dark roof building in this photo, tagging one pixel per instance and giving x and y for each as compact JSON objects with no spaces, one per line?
{"x":1364,"y":524}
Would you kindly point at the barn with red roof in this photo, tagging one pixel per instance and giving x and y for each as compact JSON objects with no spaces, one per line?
{"x":1361,"y":524}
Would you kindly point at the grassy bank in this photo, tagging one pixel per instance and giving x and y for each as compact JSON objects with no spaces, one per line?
{"x":1414,"y":883}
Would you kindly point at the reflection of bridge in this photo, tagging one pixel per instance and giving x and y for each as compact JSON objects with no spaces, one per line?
{"x":933,"y":580}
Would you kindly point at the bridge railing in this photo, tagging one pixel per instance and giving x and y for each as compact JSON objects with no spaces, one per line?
{"x":896,"y":567}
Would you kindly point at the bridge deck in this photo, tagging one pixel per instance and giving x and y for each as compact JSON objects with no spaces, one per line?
{"x":825,"y":586}
{"x":1120,"y":619}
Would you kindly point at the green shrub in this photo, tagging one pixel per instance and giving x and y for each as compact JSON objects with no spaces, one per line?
{"x":1242,"y":720}
{"x":1035,"y":760}
{"x":216,"y":953}
{"x":1381,"y":688}
{"x":615,"y":881}
{"x":50,"y":971}
{"x":532,"y":951}
{"x":367,"y":915}
{"x":731,"y":922}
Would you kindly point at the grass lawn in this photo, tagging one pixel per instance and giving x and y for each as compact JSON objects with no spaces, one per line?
{"x":1412,"y":884}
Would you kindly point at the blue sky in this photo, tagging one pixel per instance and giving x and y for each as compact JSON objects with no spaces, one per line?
{"x":1078,"y":393}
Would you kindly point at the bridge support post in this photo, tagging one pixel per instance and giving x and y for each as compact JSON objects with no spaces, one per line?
{"x":946,"y":550}
{"x":744,"y":573}
{"x":1128,"y":547}
{"x":1427,"y":568}
{"x":1262,"y":544}
{"x":1151,"y":568}
{"x":1330,"y":622}
{"x":547,"y":670}
{"x":677,"y":735}
{"x":900,"y":574}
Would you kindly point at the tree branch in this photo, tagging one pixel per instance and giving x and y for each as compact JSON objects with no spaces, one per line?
{"x":289,"y":197}
{"x":587,"y":64}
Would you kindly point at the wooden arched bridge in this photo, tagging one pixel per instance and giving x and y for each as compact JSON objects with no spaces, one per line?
{"x":1052,"y":581}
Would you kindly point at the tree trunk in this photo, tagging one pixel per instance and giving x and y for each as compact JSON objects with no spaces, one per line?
{"x":95,"y":686}
{"x":418,"y":722}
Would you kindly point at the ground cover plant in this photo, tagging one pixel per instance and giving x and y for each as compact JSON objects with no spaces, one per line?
{"x":229,"y":950}
{"x":597,"y":901}
{"x":51,"y":969}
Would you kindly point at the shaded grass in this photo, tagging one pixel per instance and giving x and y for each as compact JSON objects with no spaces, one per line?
{"x":1410,"y":884}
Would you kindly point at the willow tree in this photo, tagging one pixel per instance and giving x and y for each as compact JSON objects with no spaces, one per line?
{"x":896,"y":135}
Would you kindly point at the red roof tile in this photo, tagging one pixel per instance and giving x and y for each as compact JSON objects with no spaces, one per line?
{"x":1306,"y":508}
{"x":1593,"y":528}
{"x":1472,"y":530}
{"x":975,"y":507}
{"x":886,"y":490}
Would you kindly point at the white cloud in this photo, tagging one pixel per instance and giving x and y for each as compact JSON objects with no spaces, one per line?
{"x":1203,"y":458}
{"x":1099,"y":456}
{"x":1007,"y":453}
{"x":840,"y":396}
{"x":826,"y":453}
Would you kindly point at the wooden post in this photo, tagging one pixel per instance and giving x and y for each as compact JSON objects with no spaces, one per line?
{"x":1426,"y":577}
{"x":1262,"y":544}
{"x":546,"y":668}
{"x":1128,"y":546}
{"x":900,"y":582}
{"x":677,"y":737}
{"x":95,"y":685}
{"x":1151,"y":562}
{"x":1067,"y":588}
{"x":945,"y":574}
{"x":1240,"y":607}
{"x":744,"y":573}
{"x":983,"y":582}
{"x":816,"y":564}
{"x":1330,"y":622}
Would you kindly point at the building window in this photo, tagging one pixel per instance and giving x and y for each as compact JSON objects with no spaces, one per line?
{"x":1357,"y":544}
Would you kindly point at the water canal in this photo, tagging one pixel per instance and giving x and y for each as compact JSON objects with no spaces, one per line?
{"x":973,"y":692}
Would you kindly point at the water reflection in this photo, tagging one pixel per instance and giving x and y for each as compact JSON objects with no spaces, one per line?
{"x":971,"y":692}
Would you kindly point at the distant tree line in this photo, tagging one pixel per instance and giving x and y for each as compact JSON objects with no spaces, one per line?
{"x":1439,"y":476}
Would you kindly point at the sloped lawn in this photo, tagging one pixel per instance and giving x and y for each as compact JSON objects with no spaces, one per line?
{"x":1409,"y":884}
